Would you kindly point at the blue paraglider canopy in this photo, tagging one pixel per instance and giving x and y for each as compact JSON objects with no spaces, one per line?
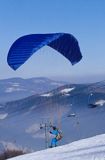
{"x":24,"y":47}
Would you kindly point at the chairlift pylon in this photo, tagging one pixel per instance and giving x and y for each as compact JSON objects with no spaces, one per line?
{"x":92,"y":100}
{"x":72,"y":113}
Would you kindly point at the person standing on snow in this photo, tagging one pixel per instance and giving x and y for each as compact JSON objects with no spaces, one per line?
{"x":57,"y":136}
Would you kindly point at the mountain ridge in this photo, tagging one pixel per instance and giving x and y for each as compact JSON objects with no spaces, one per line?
{"x":17,"y":88}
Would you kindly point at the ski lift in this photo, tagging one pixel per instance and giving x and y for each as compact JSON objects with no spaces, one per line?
{"x":46,"y":125}
{"x":41,"y":126}
{"x":92,"y":101}
{"x":71,"y":115}
{"x":71,"y":111}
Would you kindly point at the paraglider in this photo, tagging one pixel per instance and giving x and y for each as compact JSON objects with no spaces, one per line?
{"x":24,"y":47}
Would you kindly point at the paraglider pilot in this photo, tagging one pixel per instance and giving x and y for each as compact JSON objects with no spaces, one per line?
{"x":56,"y":136}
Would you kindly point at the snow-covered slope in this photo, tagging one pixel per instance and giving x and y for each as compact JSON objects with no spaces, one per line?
{"x":66,"y":107}
{"x":87,"y":149}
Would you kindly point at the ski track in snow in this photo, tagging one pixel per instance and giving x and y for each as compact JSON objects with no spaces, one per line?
{"x":87,"y":149}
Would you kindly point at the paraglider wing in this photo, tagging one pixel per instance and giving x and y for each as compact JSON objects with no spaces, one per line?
{"x":24,"y":47}
{"x":68,"y":46}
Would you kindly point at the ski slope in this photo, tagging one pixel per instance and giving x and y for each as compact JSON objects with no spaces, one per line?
{"x":86,"y":149}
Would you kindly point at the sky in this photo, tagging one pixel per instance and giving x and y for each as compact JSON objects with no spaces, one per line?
{"x":84,"y":19}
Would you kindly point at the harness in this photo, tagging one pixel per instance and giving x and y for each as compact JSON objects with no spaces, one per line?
{"x":59,"y":136}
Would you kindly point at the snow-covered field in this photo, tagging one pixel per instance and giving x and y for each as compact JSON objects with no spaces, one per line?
{"x":87,"y":149}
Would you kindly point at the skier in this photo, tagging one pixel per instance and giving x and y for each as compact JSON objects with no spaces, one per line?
{"x":57,"y":136}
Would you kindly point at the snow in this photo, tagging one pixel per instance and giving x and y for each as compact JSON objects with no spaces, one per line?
{"x":12,"y":89}
{"x":100,"y":102}
{"x":16,"y":84}
{"x":86,"y":149}
{"x":63,"y":91}
{"x":66,"y":90}
{"x":3,"y":116}
{"x":46,"y":95}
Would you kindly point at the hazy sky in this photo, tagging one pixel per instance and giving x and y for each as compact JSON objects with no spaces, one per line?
{"x":85,"y":19}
